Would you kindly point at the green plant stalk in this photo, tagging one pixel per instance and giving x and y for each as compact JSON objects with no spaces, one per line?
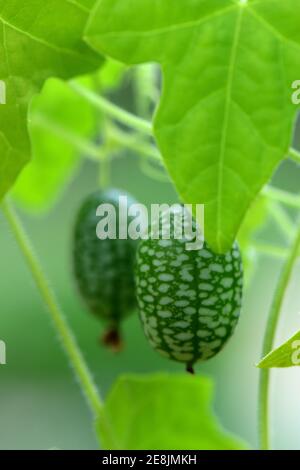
{"x":105,"y":164}
{"x":270,"y":250}
{"x":104,"y":173}
{"x":83,"y":145}
{"x":282,"y":219}
{"x":294,"y":155}
{"x":129,"y":119}
{"x":147,"y":92}
{"x":133,"y":142}
{"x":269,"y":338}
{"x":112,"y":110}
{"x":290,"y":200}
{"x":154,"y":172}
{"x":68,"y":341}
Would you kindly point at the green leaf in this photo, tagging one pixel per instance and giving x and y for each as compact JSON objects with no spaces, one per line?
{"x":253,"y":222}
{"x":287,"y":355}
{"x":38,"y":39}
{"x":62,"y":125}
{"x":162,"y":411}
{"x":225,"y":117}
{"x":255,"y":218}
{"x":58,"y":138}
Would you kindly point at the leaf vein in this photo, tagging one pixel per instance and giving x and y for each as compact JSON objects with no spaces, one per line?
{"x":232,"y":62}
{"x":279,"y":36}
{"x":39,"y":40}
{"x":175,"y":27}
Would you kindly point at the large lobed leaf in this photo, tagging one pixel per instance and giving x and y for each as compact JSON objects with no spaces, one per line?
{"x":160,"y":411}
{"x":38,"y":39}
{"x":225,"y":117}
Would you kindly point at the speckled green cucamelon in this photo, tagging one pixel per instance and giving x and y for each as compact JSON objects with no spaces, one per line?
{"x":104,"y":269}
{"x":189,"y":301}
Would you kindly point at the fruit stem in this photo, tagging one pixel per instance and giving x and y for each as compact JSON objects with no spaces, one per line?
{"x":190,"y":369}
{"x":114,"y":111}
{"x":268,"y":344}
{"x":71,"y":348}
{"x":112,"y":339}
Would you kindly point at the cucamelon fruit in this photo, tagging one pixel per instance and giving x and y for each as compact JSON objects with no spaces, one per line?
{"x":189,"y":301}
{"x":104,"y":269}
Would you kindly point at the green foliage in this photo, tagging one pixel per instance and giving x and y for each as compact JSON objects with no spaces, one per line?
{"x":31,"y":52}
{"x":287,"y":355}
{"x":62,"y":126}
{"x":225,"y":118}
{"x":170,"y":412}
{"x":223,"y":124}
{"x":255,"y":218}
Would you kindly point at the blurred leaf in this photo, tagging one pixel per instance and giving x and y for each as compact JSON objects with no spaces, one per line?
{"x":39,"y":39}
{"x":155,"y":412}
{"x":255,"y":218}
{"x":220,"y":124}
{"x":110,"y":75}
{"x":60,"y":123}
{"x":62,"y":127}
{"x":287,"y":355}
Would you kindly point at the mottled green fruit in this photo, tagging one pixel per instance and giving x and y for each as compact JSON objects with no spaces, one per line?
{"x":104,"y":269}
{"x":189,"y":301}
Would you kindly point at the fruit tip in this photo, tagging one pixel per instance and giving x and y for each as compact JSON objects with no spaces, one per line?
{"x":112,"y":340}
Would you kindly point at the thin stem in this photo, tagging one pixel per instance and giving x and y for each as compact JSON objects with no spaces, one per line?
{"x":69,"y":343}
{"x":104,"y":173}
{"x":269,"y":340}
{"x":114,"y":111}
{"x":271,"y":250}
{"x":147,"y":93}
{"x":282,"y":219}
{"x":89,"y":149}
{"x":133,"y":142}
{"x":291,"y":200}
{"x":129,"y":119}
{"x":294,"y":155}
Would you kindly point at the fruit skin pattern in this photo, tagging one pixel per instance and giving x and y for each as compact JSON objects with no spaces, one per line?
{"x":189,"y":301}
{"x":104,"y":269}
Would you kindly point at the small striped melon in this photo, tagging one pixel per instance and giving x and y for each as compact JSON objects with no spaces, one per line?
{"x":104,"y":269}
{"x":189,"y":301}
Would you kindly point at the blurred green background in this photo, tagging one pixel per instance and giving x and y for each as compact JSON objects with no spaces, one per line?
{"x":41,"y":406}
